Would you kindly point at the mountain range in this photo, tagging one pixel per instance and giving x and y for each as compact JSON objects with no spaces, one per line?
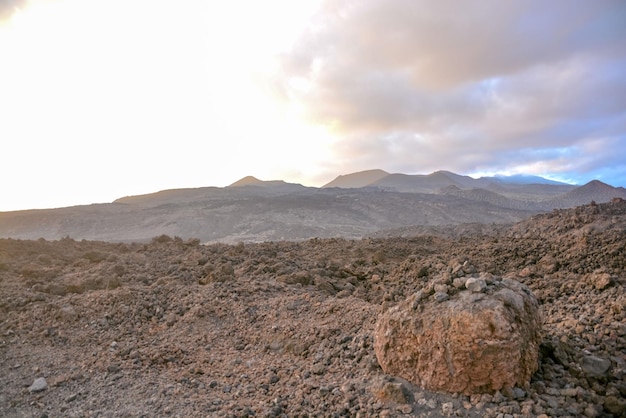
{"x":352,"y":206}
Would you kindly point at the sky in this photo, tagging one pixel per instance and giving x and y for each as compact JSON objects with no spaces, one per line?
{"x":101,"y":99}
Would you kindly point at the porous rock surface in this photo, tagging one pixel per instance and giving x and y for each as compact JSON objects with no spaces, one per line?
{"x":471,"y":342}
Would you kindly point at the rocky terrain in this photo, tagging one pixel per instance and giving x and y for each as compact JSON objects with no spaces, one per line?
{"x":174,"y":328}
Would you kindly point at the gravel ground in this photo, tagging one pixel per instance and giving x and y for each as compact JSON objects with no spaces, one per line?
{"x":174,"y":328}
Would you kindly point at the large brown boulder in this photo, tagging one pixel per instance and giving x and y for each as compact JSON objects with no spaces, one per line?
{"x":478,"y":339}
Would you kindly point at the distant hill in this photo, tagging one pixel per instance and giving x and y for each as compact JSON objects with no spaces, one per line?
{"x":165,"y":196}
{"x":431,"y":183}
{"x":595,"y":190}
{"x":272,"y":186}
{"x":351,"y":206}
{"x":356,"y":180}
{"x":253,"y":181}
{"x":524,"y":179}
{"x":247,"y":181}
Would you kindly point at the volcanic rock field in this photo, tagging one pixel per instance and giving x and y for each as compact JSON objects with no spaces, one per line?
{"x":175,"y":328}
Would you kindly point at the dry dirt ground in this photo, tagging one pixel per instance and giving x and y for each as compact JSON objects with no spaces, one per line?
{"x":174,"y":328}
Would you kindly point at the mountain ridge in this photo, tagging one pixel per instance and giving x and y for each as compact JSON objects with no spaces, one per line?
{"x":253,"y":210}
{"x":433,"y":181}
{"x":358,"y":179}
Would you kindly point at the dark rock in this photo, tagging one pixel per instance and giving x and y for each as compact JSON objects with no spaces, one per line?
{"x":615,"y":406}
{"x":595,"y":366}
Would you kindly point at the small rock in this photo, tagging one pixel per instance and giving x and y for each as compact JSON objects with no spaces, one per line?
{"x":347,"y":387}
{"x":615,"y":406}
{"x":441,"y":288}
{"x":497,"y":397}
{"x":274,"y":379}
{"x":405,"y":409}
{"x":417,"y":298}
{"x":113,"y":368}
{"x":170,"y":319}
{"x":487,"y":277}
{"x":595,"y":366}
{"x":38,"y":385}
{"x":592,"y":411}
{"x":440,"y":297}
{"x":447,"y":408}
{"x":475,"y":285}
{"x":67,"y":313}
{"x":601,"y":281}
{"x":519,"y":393}
{"x":459,"y":282}
{"x":390,"y":392}
{"x":318,"y":369}
{"x":486,"y":398}
{"x":570,"y":392}
{"x":527,"y":271}
{"x":276,"y":411}
{"x":468,"y":268}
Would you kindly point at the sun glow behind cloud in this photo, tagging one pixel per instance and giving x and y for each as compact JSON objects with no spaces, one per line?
{"x":108,"y":98}
{"x":105,"y":98}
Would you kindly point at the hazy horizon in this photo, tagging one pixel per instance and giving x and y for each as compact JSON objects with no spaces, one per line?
{"x":146,"y":192}
{"x":105,"y":99}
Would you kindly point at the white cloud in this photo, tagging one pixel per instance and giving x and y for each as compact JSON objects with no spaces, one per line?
{"x":477,"y":81}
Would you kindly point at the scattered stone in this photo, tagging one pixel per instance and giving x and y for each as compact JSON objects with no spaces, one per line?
{"x":318,"y":369}
{"x":386,"y":391}
{"x":518,"y":393}
{"x":601,"y":281}
{"x":113,"y":368}
{"x":170,"y":319}
{"x":475,"y":285}
{"x":615,"y":406}
{"x":595,"y":366}
{"x":440,"y":297}
{"x":405,"y":409}
{"x":592,"y":411}
{"x":472,"y":343}
{"x":38,"y":385}
{"x":68,"y":313}
{"x":222,"y":333}
{"x":441,"y":288}
{"x":497,"y":397}
{"x":459,"y":282}
{"x":273,"y":378}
